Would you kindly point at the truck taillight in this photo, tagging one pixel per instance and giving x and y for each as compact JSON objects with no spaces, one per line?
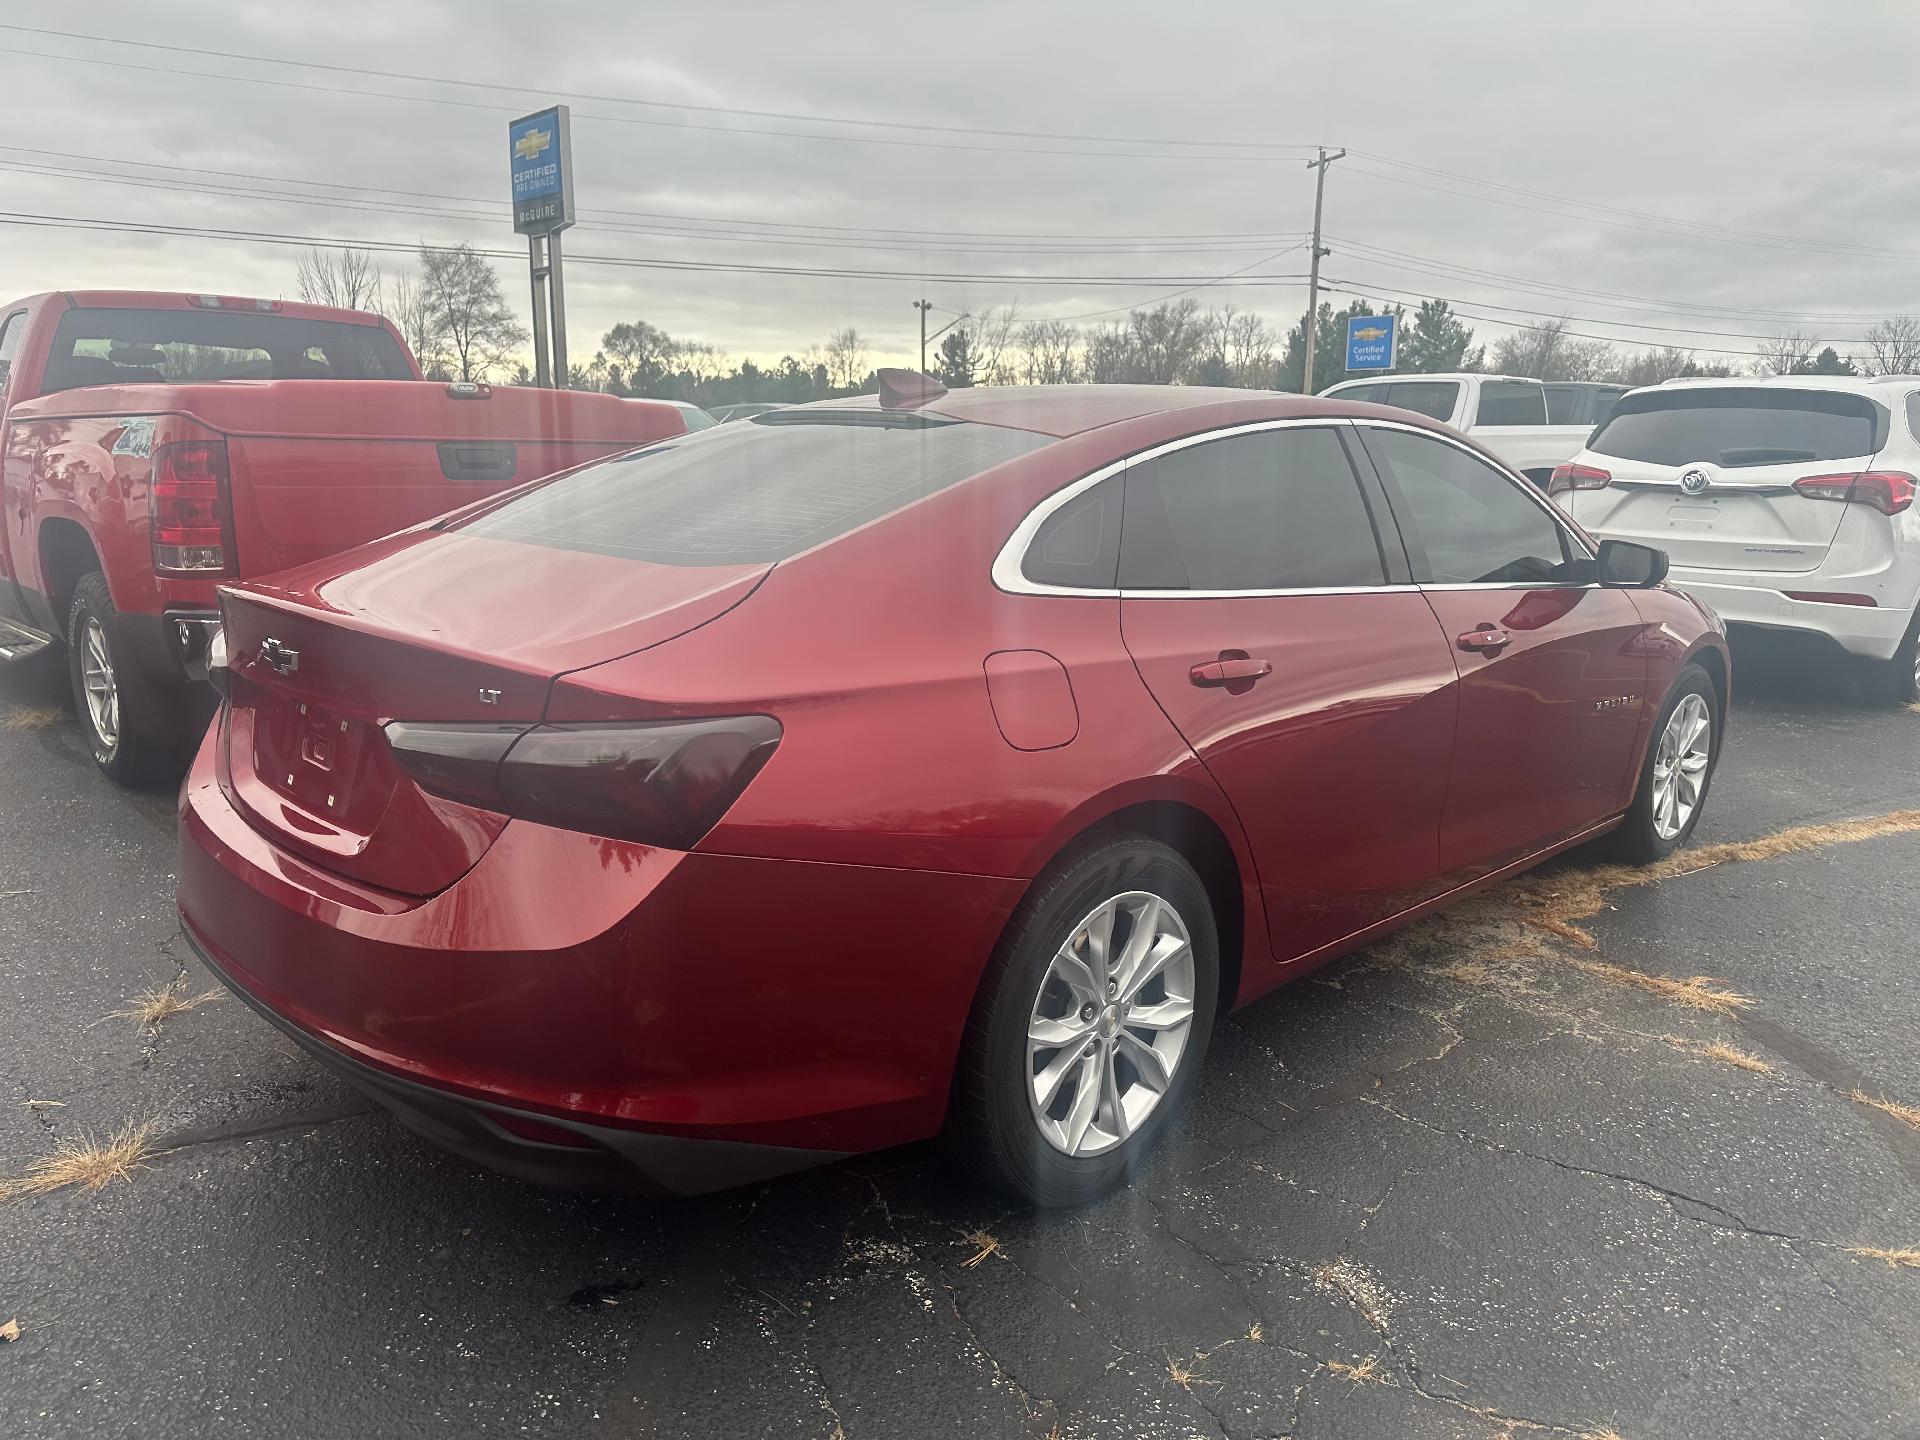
{"x":1888,"y":491}
{"x":1578,"y":477}
{"x":191,"y":523}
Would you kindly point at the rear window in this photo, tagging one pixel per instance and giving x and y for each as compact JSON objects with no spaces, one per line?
{"x":134,"y":347}
{"x":755,"y":491}
{"x":1733,"y":426}
{"x":1511,"y":402}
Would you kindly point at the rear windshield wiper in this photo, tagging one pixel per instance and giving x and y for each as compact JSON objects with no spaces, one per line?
{"x":1761,"y":455}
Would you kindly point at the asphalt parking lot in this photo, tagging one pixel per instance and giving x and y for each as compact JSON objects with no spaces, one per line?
{"x":1484,"y":1179}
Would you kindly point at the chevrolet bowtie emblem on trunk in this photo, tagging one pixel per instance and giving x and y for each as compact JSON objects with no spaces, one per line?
{"x":281,"y":658}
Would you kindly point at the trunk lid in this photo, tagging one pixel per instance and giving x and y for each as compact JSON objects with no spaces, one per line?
{"x":1707,"y":473}
{"x":427,"y":627}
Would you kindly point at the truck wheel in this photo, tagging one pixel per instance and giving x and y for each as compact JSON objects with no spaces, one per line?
{"x":114,"y":704}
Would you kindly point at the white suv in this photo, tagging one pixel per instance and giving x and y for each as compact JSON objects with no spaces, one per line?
{"x":1786,"y":504}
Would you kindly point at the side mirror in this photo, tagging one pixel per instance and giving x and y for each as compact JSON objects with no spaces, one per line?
{"x":1627,"y":566}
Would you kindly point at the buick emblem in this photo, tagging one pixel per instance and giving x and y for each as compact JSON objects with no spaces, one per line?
{"x":281,"y":658}
{"x":1694,"y":481}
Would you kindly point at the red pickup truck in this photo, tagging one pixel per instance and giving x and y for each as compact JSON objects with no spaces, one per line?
{"x":157,"y":445}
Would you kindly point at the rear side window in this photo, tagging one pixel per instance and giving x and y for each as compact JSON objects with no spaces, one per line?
{"x":1432,"y":398}
{"x":1734,"y":426}
{"x":1373,"y":392}
{"x":1511,"y":402}
{"x":1913,"y":414}
{"x":1563,"y":404}
{"x":1474,"y":525}
{"x":1274,"y":510}
{"x":131,"y":347}
{"x":1078,"y":545}
{"x":755,"y":491}
{"x":12,"y":331}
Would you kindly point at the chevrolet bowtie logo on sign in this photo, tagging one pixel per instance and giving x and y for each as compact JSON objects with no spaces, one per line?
{"x":1371,"y":332}
{"x":529,"y":145}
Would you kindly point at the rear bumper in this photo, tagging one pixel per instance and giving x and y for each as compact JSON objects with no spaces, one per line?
{"x":598,"y":1157}
{"x":699,"y":1018}
{"x":1867,"y":630}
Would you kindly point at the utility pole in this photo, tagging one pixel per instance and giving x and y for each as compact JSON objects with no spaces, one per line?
{"x":923,"y":306}
{"x":1313,"y":268}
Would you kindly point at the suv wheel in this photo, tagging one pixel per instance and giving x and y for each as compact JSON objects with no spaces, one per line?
{"x":110,"y":699}
{"x":1899,"y":678}
{"x":1091,"y":1024}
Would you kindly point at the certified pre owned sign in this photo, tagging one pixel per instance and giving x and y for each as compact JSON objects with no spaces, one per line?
{"x":1695,"y":481}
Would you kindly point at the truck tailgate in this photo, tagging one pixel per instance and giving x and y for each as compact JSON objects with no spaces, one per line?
{"x":334,"y":464}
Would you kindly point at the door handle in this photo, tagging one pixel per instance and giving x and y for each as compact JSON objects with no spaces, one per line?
{"x":1487,"y":638}
{"x":1229,"y":670}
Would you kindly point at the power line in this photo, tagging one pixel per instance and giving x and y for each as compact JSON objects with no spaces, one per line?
{"x":1255,"y":236}
{"x":494,"y":214}
{"x":914,"y":125}
{"x":629,"y":119}
{"x":1611,"y":299}
{"x":1176,"y":294}
{"x":33,"y":220}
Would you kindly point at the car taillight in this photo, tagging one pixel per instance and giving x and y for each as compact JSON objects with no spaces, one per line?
{"x":658,"y":782}
{"x":189,"y":508}
{"x":1578,"y":477}
{"x":1888,"y":491}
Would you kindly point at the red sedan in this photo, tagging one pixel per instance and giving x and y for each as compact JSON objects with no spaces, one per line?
{"x":945,"y":762}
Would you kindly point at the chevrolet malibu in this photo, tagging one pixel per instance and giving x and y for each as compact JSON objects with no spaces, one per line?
{"x":934,"y":763}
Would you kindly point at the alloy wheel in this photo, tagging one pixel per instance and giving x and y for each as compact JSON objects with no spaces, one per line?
{"x":1680,"y":766}
{"x":96,"y":679}
{"x":1111,"y":1024}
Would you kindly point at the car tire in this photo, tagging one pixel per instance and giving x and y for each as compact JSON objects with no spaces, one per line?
{"x":1659,"y":822}
{"x":1104,"y":1049}
{"x":1898,"y":679}
{"x":114,"y":704}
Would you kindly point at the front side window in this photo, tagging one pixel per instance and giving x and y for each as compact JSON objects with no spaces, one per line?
{"x":1474,"y":525}
{"x":1272,"y":510}
{"x":1511,"y":402}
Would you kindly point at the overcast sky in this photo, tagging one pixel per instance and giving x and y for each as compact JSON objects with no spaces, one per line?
{"x":1756,"y":162}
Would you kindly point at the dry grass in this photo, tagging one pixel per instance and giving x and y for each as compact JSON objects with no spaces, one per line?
{"x":1186,"y":1373}
{"x":10,"y":1331}
{"x":1367,"y":1369}
{"x":1255,"y":1333}
{"x":1896,"y":1259}
{"x":150,"y":1008}
{"x":1724,"y":1053}
{"x":987,"y":1245}
{"x":82,"y":1160}
{"x":1914,"y":709}
{"x":31,"y":717}
{"x":1500,"y":938}
{"x":1607,"y":1434}
{"x":1894,"y":1108}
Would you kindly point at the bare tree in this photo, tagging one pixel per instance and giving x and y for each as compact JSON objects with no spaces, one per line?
{"x":1893,"y":348}
{"x":1247,"y":345}
{"x":1168,"y":340}
{"x":846,"y":359}
{"x":405,"y":303}
{"x":1048,"y":352}
{"x":1110,"y":356}
{"x":993,"y":342}
{"x":348,"y":279}
{"x":1784,"y":354}
{"x":1548,"y":352}
{"x":470,"y":314}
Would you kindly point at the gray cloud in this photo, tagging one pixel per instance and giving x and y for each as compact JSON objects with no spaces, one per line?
{"x":1783,"y":118}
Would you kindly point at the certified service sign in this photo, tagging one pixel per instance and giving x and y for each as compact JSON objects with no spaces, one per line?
{"x":540,"y":161}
